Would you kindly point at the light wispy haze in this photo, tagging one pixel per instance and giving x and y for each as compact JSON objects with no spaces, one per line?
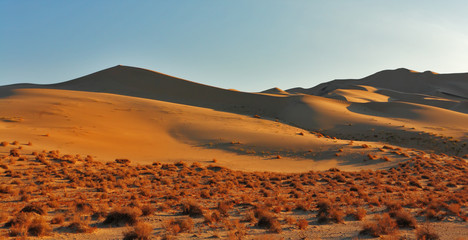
{"x":246,"y":45}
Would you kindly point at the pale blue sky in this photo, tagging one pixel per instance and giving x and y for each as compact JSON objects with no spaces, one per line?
{"x":248,"y":45}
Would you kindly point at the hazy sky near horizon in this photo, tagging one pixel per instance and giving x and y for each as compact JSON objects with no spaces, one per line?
{"x":249,"y":45}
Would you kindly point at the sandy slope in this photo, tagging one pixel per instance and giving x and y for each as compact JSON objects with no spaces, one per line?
{"x":126,"y":112}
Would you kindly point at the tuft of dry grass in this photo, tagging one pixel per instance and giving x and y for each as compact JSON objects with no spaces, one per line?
{"x":192,"y":209}
{"x":59,"y":219}
{"x":25,"y":224}
{"x":34,"y":208}
{"x":268,"y":220}
{"x":404,"y":218}
{"x":80,"y":226}
{"x":327,"y":212}
{"x":141,"y":231}
{"x":175,"y":226}
{"x":123,"y":216}
{"x":147,"y":210}
{"x":426,"y":233}
{"x":382,"y":225}
{"x":302,"y":224}
{"x":359,"y":214}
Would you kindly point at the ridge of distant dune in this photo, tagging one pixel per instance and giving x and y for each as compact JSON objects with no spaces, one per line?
{"x":275,"y":90}
{"x":402,"y":80}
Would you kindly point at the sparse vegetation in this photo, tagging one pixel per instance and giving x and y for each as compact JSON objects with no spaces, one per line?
{"x":46,"y":185}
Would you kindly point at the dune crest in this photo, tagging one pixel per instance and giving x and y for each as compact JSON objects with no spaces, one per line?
{"x":128,"y":112}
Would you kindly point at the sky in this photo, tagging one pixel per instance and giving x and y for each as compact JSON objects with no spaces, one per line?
{"x":248,"y":45}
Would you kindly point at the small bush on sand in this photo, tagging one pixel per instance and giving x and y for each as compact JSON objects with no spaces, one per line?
{"x":27,"y":224}
{"x":39,"y":227}
{"x":141,"y":231}
{"x":426,"y":233}
{"x":383,"y":225}
{"x":4,"y":143}
{"x":302,"y":224}
{"x":34,"y":208}
{"x":80,"y":226}
{"x":359,"y":214}
{"x":192,"y":209}
{"x":327,"y":212}
{"x":268,"y":220}
{"x":14,"y":153}
{"x":59,"y":219}
{"x":124,"y":216}
{"x":175,"y":226}
{"x":147,"y":210}
{"x":404,"y":218}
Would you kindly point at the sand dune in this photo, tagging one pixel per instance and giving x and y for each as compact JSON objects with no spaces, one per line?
{"x":127,"y":112}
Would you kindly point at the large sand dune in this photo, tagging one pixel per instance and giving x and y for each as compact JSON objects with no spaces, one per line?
{"x":127,"y":112}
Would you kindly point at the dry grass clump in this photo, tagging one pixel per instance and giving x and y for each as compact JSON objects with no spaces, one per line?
{"x":175,"y":226}
{"x":404,"y":218}
{"x":4,"y":143}
{"x":34,"y":208}
{"x":382,"y":225}
{"x":14,"y":152}
{"x":302,"y":224}
{"x":327,"y":212}
{"x":426,"y":233}
{"x":359,"y":214}
{"x":123,"y":216}
{"x":192,"y":209}
{"x":147,"y":210}
{"x":224,"y":207}
{"x":59,"y":219}
{"x":80,"y":226}
{"x":267,"y":220}
{"x":141,"y":231}
{"x":28,"y":224}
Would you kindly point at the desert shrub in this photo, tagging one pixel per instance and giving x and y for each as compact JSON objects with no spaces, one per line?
{"x":176,"y":226}
{"x":454,"y":208}
{"x":212,"y":217}
{"x":25,"y":224}
{"x":393,"y":205}
{"x":359,"y":214}
{"x":83,"y":207}
{"x":290,"y":220}
{"x":192,"y":209}
{"x":404,"y":218}
{"x":326,"y":212}
{"x":147,"y":210}
{"x":141,"y":231}
{"x":302,"y":224}
{"x":34,"y":208}
{"x":123,"y":161}
{"x":268,"y":220}
{"x":39,"y":227}
{"x":382,"y":225}
{"x":426,"y":233}
{"x":80,"y":226}
{"x":205,"y":194}
{"x":14,"y":153}
{"x":4,"y":143}
{"x":224,"y":207}
{"x":59,"y":219}
{"x":123,"y":216}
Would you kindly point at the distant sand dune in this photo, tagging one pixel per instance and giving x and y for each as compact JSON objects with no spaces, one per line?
{"x":127,"y":112}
